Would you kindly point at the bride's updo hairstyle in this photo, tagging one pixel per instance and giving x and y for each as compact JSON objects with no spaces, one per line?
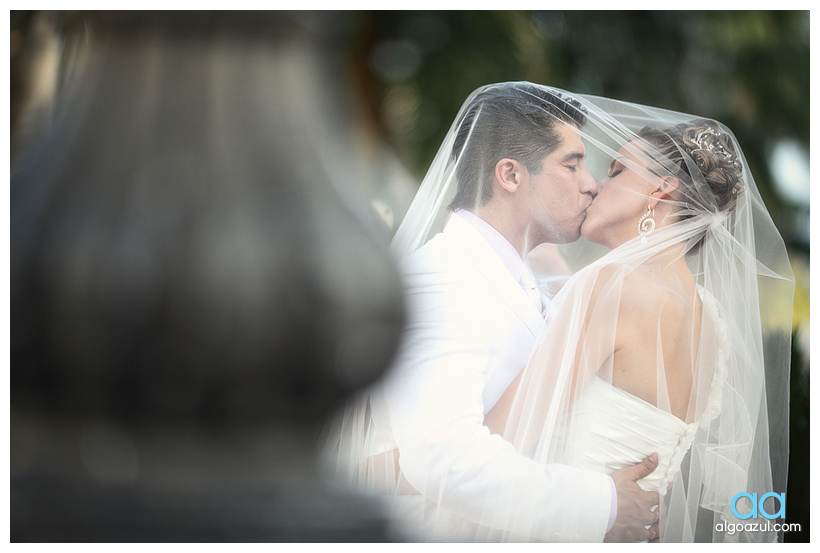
{"x":698,"y":152}
{"x":508,"y":120}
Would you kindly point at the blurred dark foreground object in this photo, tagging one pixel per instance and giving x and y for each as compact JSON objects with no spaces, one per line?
{"x":194,"y":287}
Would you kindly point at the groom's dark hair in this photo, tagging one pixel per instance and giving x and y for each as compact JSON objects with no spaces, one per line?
{"x":507,"y":120}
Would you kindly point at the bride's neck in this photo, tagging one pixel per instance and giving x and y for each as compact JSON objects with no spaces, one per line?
{"x":671,"y":258}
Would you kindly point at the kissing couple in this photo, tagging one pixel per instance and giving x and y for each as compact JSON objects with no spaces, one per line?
{"x":632,"y":405}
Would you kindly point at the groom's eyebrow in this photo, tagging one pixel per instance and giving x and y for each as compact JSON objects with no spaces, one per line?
{"x":574,"y":155}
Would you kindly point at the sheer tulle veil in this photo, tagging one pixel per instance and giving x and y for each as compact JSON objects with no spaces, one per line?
{"x":734,"y":433}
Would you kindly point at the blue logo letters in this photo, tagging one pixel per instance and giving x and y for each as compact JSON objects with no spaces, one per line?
{"x":781,"y":513}
{"x":758,"y":506}
{"x":752,"y":513}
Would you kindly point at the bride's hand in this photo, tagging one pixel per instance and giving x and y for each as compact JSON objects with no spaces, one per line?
{"x":635,"y":521}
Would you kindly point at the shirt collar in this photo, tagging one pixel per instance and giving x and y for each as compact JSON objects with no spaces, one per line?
{"x":500,"y":245}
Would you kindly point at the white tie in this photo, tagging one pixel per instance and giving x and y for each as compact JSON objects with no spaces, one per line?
{"x":527,"y":282}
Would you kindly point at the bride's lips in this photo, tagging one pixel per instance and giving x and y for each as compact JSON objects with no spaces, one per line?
{"x":592,"y":201}
{"x":586,"y":211}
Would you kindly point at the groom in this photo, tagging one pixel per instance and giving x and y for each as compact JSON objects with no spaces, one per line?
{"x":473,"y":320}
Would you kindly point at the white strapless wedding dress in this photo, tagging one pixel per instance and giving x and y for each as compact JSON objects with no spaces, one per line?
{"x":610,"y":429}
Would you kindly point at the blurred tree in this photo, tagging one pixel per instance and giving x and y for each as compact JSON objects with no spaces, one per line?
{"x":195,"y":285}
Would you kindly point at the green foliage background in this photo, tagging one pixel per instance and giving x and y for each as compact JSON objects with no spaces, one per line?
{"x":749,"y":70}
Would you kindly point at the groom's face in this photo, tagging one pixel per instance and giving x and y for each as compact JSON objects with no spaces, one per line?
{"x":558,"y":196}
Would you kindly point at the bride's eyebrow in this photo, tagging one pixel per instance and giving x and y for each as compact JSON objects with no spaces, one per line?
{"x":614,"y":161}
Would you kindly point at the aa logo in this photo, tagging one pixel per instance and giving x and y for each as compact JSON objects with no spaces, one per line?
{"x":757,"y":506}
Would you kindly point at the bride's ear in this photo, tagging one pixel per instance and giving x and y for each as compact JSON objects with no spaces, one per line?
{"x":509,"y":173}
{"x":667,"y":191}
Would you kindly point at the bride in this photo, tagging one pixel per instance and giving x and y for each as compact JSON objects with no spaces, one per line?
{"x":644,"y":356}
{"x":659,"y":345}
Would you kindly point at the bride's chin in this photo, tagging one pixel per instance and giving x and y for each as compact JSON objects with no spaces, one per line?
{"x":587,"y":232}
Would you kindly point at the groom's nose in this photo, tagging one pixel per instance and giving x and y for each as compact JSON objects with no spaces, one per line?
{"x":588,"y":184}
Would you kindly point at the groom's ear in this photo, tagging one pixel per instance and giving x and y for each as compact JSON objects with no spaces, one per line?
{"x":509,"y":174}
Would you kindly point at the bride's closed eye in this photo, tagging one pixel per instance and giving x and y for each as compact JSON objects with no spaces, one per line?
{"x":615,"y":169}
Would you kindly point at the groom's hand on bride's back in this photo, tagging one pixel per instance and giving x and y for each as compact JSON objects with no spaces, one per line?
{"x":635,"y":506}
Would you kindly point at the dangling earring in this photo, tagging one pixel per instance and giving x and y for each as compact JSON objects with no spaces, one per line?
{"x":646,"y":225}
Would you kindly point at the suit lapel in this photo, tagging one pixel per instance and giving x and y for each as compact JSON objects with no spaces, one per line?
{"x":469,"y":244}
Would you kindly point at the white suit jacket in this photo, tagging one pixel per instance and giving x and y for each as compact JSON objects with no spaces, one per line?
{"x":471,"y":329}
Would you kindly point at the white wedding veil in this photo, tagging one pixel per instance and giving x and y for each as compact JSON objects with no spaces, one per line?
{"x":730,"y":424}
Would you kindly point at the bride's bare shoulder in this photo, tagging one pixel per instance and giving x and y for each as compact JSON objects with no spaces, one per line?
{"x":600,"y":278}
{"x":627,"y":285}
{"x":593,"y":285}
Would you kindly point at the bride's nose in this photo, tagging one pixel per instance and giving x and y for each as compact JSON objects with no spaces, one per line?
{"x":601,"y":184}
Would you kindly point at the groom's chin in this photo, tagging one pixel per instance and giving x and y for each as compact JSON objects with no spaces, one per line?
{"x":565,"y":237}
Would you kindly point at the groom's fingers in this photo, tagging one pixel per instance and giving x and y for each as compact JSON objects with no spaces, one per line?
{"x":637,"y":517}
{"x":642,"y":469}
{"x":645,"y":467}
{"x":654,"y":533}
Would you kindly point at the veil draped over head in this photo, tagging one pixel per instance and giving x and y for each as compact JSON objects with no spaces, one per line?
{"x":715,"y":384}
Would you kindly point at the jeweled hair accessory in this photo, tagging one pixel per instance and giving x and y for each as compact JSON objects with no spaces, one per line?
{"x":709,"y":140}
